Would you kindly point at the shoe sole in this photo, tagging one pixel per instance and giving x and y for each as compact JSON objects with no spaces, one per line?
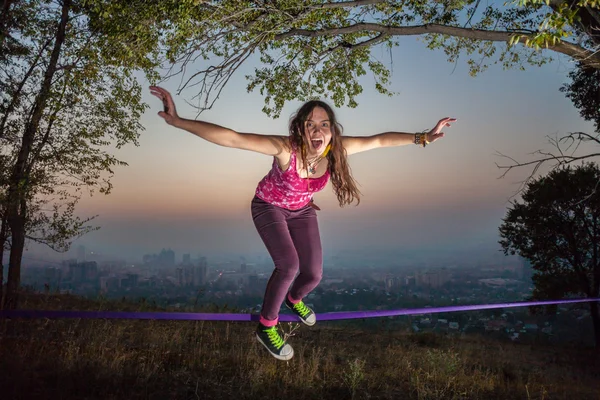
{"x":303,"y":321}
{"x":277,"y":356}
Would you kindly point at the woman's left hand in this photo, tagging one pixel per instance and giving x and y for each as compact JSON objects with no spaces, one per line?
{"x":436,"y":133}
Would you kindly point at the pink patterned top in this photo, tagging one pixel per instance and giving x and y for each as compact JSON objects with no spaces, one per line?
{"x":287,"y":189}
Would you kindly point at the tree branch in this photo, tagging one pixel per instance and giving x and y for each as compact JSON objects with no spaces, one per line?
{"x":220,"y":75}
{"x":585,"y":56}
{"x":344,"y":4}
{"x":51,"y":118}
{"x":370,"y":42}
{"x":561,"y":158}
{"x":17,"y":94}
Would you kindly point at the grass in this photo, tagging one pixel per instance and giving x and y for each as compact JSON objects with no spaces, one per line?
{"x":127,"y":359}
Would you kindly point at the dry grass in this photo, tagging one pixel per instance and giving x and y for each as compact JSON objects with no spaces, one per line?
{"x":117,"y":359}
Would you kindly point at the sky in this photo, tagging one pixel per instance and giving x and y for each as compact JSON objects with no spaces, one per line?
{"x":183,"y":193}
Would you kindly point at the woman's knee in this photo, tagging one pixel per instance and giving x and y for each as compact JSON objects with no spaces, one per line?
{"x":315,"y":274}
{"x":288,"y":267}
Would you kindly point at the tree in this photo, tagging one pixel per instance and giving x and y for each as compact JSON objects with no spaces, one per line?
{"x":68,"y":95}
{"x":322,"y":47}
{"x":557,"y":229}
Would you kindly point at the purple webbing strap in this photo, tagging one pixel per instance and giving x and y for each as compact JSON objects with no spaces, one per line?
{"x":332,"y":316}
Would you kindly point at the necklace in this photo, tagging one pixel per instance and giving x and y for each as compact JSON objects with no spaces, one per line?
{"x":312,"y":165}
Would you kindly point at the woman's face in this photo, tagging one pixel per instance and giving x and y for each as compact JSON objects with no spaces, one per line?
{"x":317,"y":131}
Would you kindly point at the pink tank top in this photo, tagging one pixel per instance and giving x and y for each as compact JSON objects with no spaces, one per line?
{"x":287,"y":189}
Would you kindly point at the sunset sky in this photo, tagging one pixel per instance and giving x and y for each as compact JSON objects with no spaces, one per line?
{"x":183,"y":193}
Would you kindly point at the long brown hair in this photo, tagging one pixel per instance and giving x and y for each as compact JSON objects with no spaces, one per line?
{"x":343,"y":183}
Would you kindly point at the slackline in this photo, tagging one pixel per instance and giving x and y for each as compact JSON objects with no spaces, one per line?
{"x":330,"y":316}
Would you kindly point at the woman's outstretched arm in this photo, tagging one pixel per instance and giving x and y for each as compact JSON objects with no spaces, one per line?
{"x":271,"y":145}
{"x":357,"y":144}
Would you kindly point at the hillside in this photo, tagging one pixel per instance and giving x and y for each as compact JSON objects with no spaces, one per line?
{"x":123,"y":359}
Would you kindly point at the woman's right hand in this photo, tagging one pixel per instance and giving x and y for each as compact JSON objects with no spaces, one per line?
{"x":169,"y":114}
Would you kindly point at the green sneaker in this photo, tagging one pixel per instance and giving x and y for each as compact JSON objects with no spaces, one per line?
{"x":301,"y":310}
{"x":270,"y":338}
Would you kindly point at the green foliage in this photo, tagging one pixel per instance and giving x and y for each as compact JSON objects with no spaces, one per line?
{"x":318,"y":48}
{"x":584,"y":92}
{"x":558,"y":24}
{"x":322,"y":48}
{"x":557,"y":228}
{"x":93,"y":104}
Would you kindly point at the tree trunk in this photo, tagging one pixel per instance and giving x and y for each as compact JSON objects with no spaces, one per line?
{"x":17,"y":227}
{"x":596,"y":322}
{"x":4,"y":20}
{"x":3,"y":237}
{"x":2,"y":243}
{"x":3,"y":32}
{"x":19,"y":180}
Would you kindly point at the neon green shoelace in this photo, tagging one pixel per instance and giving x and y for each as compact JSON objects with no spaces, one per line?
{"x":302,"y":309}
{"x":274,"y":337}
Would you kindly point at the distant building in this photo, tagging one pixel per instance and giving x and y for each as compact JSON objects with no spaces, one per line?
{"x":133,"y":280}
{"x":390,"y":282}
{"x":123,"y":281}
{"x":91,"y":270}
{"x":76,"y":273}
{"x":180,"y":277}
{"x":410,"y":281}
{"x":166,"y":258}
{"x":252,"y":281}
{"x":108,"y":283}
{"x":149,"y":258}
{"x":433,"y":278}
{"x":498,"y":282}
{"x":84,"y":271}
{"x":200,"y":273}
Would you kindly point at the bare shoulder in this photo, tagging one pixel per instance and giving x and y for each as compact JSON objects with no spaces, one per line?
{"x":357,"y":144}
{"x":271,"y":145}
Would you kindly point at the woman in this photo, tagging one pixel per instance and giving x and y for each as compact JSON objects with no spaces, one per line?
{"x":284,"y":214}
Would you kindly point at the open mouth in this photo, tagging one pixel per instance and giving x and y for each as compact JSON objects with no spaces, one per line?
{"x":316,"y":143}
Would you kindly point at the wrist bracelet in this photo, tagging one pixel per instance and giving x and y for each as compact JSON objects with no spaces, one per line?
{"x":421,"y":139}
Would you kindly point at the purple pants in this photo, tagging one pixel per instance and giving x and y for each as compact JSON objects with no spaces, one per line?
{"x":293,"y":241}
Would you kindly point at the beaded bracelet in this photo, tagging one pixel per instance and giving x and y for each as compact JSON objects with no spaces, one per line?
{"x":421,"y":139}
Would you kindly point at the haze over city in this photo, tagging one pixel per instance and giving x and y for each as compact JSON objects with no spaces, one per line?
{"x":183,"y":193}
